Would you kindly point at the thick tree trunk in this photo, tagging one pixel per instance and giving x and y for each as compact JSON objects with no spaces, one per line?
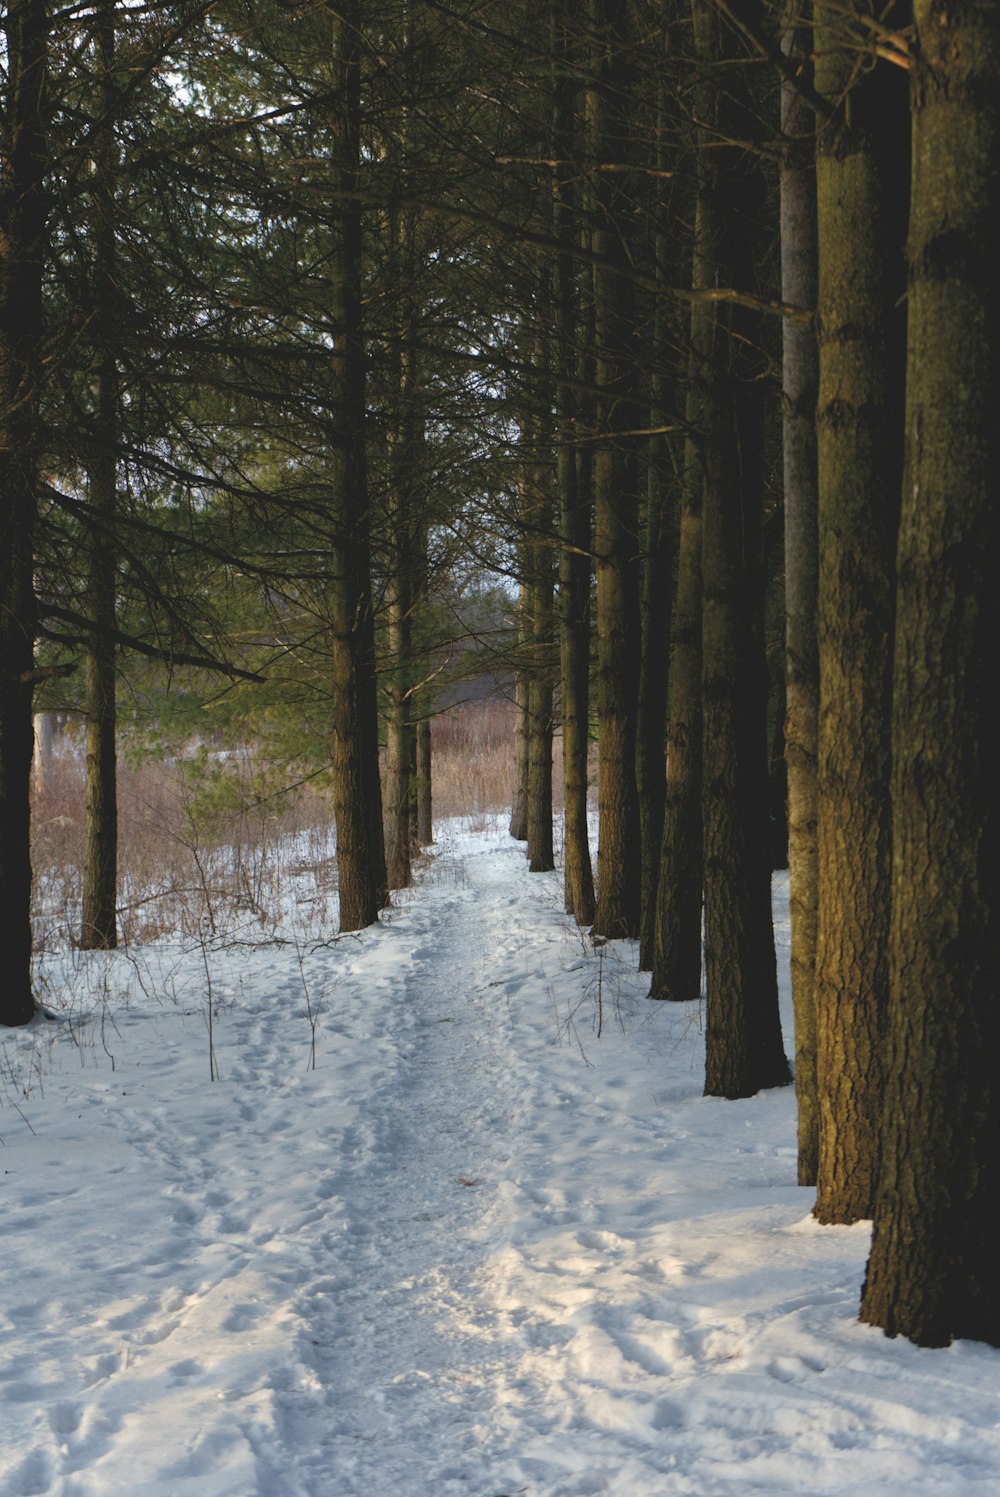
{"x":22,"y":246}
{"x":859,"y":445}
{"x":99,"y":925}
{"x":932,"y":1271}
{"x":357,"y":792}
{"x":616,"y":499}
{"x":743,"y":1034}
{"x":800,"y":379}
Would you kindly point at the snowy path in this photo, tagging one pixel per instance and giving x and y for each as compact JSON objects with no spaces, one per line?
{"x":477,"y":1250}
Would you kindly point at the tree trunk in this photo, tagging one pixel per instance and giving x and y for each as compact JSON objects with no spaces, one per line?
{"x":574,"y":502}
{"x":858,"y":431}
{"x":743,"y":1035}
{"x":519,"y":806}
{"x":932,"y":1271}
{"x":425,"y":784}
{"x":800,"y":379}
{"x":616,"y":538}
{"x":403,"y":464}
{"x":676,"y":971}
{"x":537,"y":509}
{"x":357,"y":792}
{"x":99,"y":926}
{"x":22,"y":247}
{"x":658,"y":544}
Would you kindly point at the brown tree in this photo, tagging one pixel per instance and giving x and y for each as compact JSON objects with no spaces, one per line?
{"x":932,"y":1271}
{"x":23,"y":161}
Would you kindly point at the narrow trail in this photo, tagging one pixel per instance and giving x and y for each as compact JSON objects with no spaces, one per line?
{"x":397,"y":1336}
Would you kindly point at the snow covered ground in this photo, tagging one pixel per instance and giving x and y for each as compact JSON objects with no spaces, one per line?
{"x":480,"y":1249}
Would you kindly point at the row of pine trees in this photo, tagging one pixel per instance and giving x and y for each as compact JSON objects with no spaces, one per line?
{"x":680,"y":316}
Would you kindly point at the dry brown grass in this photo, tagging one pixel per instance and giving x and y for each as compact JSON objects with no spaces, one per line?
{"x":473,"y":759}
{"x":202,"y":844}
{"x":209,"y":843}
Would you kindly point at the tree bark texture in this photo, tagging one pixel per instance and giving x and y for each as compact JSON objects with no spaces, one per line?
{"x":932,"y":1271}
{"x":574,"y":498}
{"x":405,"y":443}
{"x":541,"y":856}
{"x":616,"y":481}
{"x":743,"y":1034}
{"x":22,"y":246}
{"x":99,"y":925}
{"x":357,"y":792}
{"x":537,"y":514}
{"x":519,"y":804}
{"x":800,"y":380}
{"x":859,"y":445}
{"x":658,"y":547}
{"x":676,"y":971}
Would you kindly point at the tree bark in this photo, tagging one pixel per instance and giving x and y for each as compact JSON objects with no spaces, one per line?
{"x":932,"y":1271}
{"x":405,"y":442}
{"x":99,"y":925}
{"x":676,"y":971}
{"x":357,"y":792}
{"x":537,"y":510}
{"x":574,"y":498}
{"x":800,"y":380}
{"x":859,"y":446}
{"x":22,"y":247}
{"x":519,"y":801}
{"x":616,"y":535}
{"x":742,"y":1034}
{"x":658,"y":546}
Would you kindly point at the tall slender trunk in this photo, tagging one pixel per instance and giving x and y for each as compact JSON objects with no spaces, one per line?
{"x":357,"y":792}
{"x":616,"y":531}
{"x":743,"y":1035}
{"x":800,"y":381}
{"x":99,"y":926}
{"x":519,"y":801}
{"x":932,"y":1271}
{"x":423,"y":707}
{"x":22,"y":248}
{"x":403,"y":463}
{"x":399,"y":736}
{"x":538,"y":511}
{"x":658,"y":547}
{"x":859,"y":432}
{"x":574,"y":500}
{"x":676,"y":969}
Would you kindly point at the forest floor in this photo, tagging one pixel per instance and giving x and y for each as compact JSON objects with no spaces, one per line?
{"x":485,"y":1237}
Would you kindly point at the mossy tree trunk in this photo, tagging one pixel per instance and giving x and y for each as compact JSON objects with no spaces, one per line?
{"x":932,"y":1271}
